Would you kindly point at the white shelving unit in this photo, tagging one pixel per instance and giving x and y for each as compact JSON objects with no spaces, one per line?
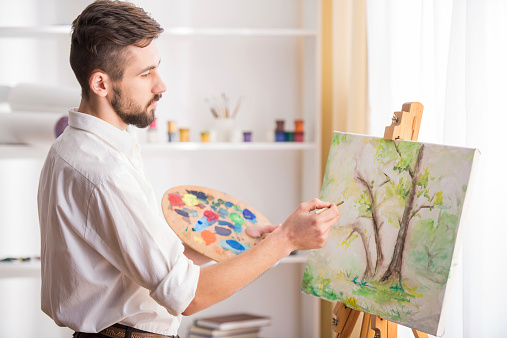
{"x":268,"y":51}
{"x":49,"y":31}
{"x":10,"y":151}
{"x":32,"y":268}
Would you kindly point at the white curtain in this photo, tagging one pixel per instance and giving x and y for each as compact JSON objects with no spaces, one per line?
{"x":451,"y":55}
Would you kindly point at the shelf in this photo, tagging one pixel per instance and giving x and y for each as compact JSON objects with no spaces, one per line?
{"x":199,"y":146}
{"x":297,"y":258}
{"x":21,"y":151}
{"x":48,"y":31}
{"x":34,"y":31}
{"x":8,"y":151}
{"x":19,"y":269}
{"x":281,"y":32}
{"x":33,"y":268}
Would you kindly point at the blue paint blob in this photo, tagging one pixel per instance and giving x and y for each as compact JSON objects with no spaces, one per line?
{"x":223,"y":213}
{"x":228,"y":204}
{"x":237,"y":227}
{"x":247,"y":214}
{"x":199,"y":194}
{"x":181,"y":212}
{"x":189,"y":211}
{"x":230,"y":225}
{"x":222,"y":231}
{"x":234,"y":246}
{"x":202,"y":224}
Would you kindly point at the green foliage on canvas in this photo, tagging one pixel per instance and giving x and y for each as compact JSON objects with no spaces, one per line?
{"x":307,"y":278}
{"x":363,"y":204}
{"x":432,"y":247}
{"x":403,"y":187}
{"x":382,"y":293}
{"x":385,"y":150}
{"x":317,"y":285}
{"x":346,"y":243}
{"x":338,"y":138}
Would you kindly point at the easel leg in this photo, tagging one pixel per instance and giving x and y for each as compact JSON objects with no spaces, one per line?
{"x":383,"y":328}
{"x":366,"y":331}
{"x":344,"y":321}
{"x":372,"y":326}
{"x":418,"y":334}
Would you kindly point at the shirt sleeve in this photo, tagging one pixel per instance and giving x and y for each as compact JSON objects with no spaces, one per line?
{"x":131,"y":234}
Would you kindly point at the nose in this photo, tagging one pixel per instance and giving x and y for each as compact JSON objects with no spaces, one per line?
{"x":159,"y":85}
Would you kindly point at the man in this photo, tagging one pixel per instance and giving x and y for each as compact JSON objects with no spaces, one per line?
{"x":111,"y":267}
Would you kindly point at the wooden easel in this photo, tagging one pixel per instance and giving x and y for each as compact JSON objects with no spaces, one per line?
{"x":405,"y":126}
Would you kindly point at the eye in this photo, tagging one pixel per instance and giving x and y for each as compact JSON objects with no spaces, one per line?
{"x":145,"y":75}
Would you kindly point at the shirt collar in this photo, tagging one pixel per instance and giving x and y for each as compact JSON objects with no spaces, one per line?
{"x":119,"y":139}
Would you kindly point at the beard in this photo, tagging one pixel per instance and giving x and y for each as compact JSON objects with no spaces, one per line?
{"x":132,"y":113}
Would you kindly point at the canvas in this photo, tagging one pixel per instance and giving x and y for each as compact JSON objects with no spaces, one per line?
{"x":394,"y":248}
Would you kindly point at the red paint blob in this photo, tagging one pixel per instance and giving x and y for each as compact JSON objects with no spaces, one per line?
{"x":211,"y":216}
{"x":175,"y":199}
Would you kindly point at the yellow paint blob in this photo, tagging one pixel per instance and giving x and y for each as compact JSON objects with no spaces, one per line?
{"x":190,"y":199}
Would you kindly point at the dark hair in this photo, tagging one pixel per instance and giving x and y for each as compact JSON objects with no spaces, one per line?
{"x":101,"y":34}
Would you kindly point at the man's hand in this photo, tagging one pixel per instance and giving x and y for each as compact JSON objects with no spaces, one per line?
{"x":305,"y":230}
{"x":258,"y":230}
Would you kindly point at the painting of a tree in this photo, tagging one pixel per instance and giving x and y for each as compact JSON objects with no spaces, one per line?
{"x":392,"y":251}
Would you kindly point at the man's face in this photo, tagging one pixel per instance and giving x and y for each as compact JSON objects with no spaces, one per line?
{"x":135,"y":97}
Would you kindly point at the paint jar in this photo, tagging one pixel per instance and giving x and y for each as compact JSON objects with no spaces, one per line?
{"x":225,"y":129}
{"x":289,"y":136}
{"x":236,"y":136}
{"x":212,"y":135}
{"x":298,"y":125}
{"x":280,"y":125}
{"x":299,"y":130}
{"x":171,"y":131}
{"x":184,"y":135}
{"x":205,"y":136}
{"x":269,"y":135}
{"x":280,"y":131}
{"x":247,"y":136}
{"x":60,"y":126}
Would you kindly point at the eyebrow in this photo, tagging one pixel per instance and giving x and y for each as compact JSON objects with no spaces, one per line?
{"x":149,"y":68}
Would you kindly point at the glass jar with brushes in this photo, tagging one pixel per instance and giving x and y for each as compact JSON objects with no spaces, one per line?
{"x":224,"y":119}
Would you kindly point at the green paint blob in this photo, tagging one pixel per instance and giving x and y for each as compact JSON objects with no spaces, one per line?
{"x":236,"y":218}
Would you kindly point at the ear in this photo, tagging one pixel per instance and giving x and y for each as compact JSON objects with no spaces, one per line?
{"x":99,"y":83}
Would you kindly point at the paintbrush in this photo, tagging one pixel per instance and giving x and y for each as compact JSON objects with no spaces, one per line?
{"x":226,"y":104}
{"x":236,"y":108}
{"x":318,"y":211}
{"x":315,"y":211}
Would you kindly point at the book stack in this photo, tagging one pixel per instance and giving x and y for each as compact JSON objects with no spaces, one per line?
{"x":239,"y":325}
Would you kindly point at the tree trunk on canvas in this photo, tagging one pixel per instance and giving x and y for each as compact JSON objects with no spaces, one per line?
{"x":394,"y":269}
{"x":376,"y":224}
{"x":368,"y":271}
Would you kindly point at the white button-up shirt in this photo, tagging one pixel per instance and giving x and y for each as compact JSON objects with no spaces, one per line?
{"x":107,"y":254}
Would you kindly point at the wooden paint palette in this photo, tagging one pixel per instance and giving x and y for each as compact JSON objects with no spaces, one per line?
{"x":209,"y":221}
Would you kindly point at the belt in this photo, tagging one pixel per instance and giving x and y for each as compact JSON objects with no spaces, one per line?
{"x":120,"y":331}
